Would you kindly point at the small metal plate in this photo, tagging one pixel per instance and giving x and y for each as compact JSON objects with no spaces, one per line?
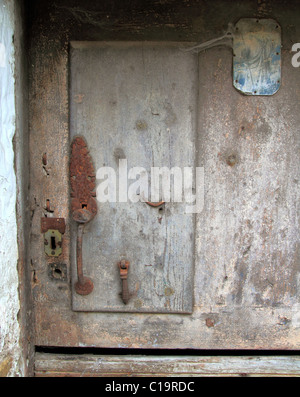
{"x":53,"y":223}
{"x":257,"y":56}
{"x":53,"y":241}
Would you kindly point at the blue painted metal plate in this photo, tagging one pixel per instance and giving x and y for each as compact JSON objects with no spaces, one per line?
{"x":257,"y":56}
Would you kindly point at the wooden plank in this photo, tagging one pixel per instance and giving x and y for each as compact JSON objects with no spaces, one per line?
{"x":134,"y":117}
{"x":60,"y":365}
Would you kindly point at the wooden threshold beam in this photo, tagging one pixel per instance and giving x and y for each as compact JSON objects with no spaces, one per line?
{"x":88,"y":365}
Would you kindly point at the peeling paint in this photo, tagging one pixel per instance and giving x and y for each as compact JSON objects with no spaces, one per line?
{"x":9,"y":298}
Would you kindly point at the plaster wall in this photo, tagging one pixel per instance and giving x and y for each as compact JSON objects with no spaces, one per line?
{"x":10,"y":332}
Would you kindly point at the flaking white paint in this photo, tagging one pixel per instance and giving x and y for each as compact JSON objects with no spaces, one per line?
{"x":9,"y":299}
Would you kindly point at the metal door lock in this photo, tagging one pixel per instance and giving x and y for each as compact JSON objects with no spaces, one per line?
{"x":53,"y":242}
{"x":53,"y":229}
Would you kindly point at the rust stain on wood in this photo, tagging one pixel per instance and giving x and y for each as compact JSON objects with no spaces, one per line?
{"x":82,"y":177}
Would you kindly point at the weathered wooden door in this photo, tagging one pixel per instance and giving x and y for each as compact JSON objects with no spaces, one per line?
{"x":135,"y":119}
{"x":222,"y":276}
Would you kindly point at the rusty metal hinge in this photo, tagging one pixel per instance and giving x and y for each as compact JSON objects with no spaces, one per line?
{"x":83,"y":204}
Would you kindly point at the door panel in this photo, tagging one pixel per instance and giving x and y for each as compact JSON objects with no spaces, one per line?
{"x":238,"y":285}
{"x":126,"y":101}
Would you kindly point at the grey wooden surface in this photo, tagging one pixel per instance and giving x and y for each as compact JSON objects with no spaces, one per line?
{"x":246,"y":265}
{"x":131,"y":107}
{"x":51,"y":365}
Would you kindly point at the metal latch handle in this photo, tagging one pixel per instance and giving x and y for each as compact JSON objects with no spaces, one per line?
{"x":84,"y":285}
{"x":124,"y":266}
{"x":83,"y":204}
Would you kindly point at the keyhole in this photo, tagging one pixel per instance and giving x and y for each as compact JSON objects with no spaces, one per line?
{"x":53,"y":243}
{"x":57,"y":273}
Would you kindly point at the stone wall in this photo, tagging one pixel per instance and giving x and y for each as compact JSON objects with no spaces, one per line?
{"x":11,"y":130}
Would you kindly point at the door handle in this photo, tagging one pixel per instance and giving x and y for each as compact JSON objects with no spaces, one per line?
{"x":84,"y":285}
{"x":83,"y":204}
